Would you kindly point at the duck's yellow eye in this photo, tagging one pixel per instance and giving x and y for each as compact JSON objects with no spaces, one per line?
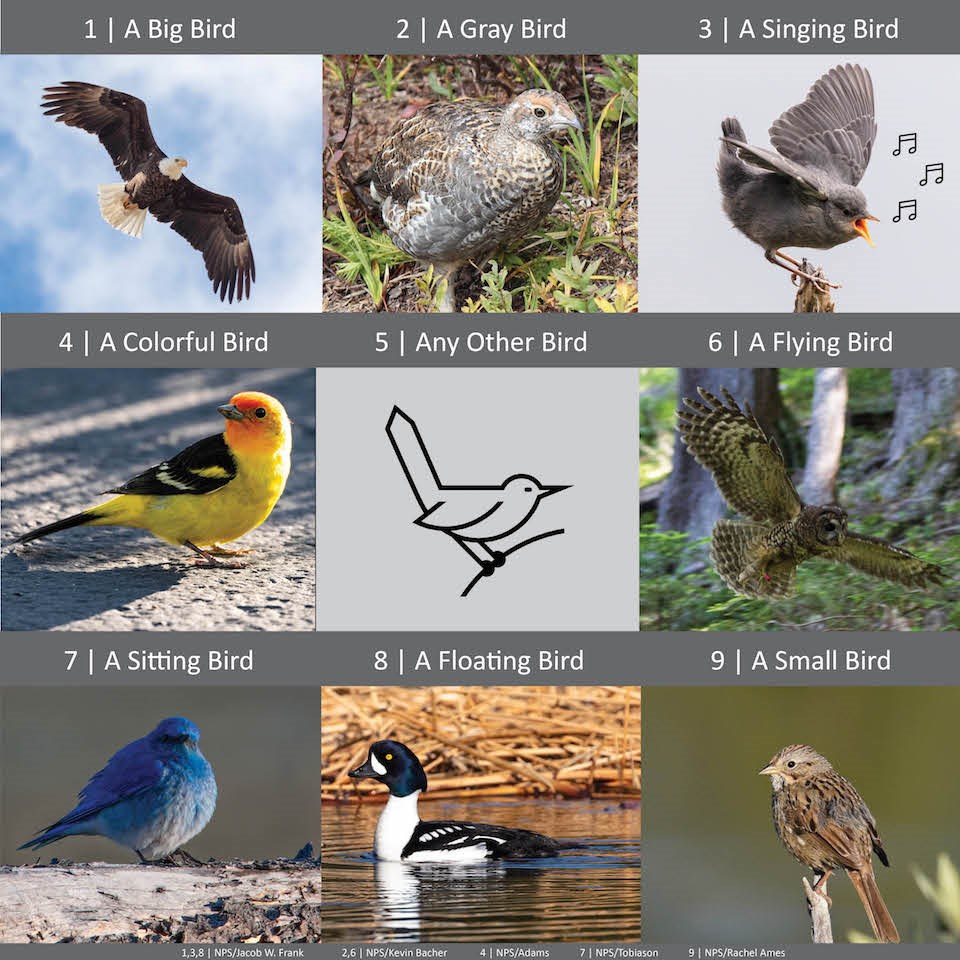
{"x":389,"y":756}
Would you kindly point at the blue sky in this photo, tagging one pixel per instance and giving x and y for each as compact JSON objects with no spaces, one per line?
{"x":250,"y":128}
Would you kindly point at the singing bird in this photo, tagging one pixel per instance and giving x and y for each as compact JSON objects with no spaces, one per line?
{"x":213,"y":492}
{"x":152,"y":181}
{"x":804,"y":192}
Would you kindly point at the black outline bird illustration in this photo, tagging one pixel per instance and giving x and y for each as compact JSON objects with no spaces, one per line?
{"x":468,"y":514}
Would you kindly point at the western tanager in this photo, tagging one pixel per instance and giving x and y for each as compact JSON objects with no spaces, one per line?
{"x":212,"y":492}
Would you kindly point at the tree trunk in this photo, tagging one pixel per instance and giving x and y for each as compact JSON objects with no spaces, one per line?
{"x":691,"y":501}
{"x":923,"y":455}
{"x":825,"y":438}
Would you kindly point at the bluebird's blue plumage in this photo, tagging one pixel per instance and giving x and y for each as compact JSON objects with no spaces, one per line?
{"x":152,"y":796}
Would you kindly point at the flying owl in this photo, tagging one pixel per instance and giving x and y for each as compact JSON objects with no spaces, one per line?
{"x":759,"y":559}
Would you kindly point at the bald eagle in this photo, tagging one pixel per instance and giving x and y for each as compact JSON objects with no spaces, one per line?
{"x":153,"y":181}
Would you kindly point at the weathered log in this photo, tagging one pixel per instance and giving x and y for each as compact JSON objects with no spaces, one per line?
{"x":275,"y":901}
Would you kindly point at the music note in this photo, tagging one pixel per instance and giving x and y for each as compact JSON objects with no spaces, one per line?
{"x":906,"y":205}
{"x":932,"y":168}
{"x":910,"y":138}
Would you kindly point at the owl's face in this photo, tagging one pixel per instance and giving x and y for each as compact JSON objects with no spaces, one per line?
{"x":831,"y":528}
{"x":821,"y":528}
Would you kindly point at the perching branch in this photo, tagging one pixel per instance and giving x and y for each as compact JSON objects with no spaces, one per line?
{"x":813,"y":297}
{"x":488,"y":571}
{"x":818,"y":906}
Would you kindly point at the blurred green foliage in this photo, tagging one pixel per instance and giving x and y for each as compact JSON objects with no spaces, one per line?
{"x":942,"y":893}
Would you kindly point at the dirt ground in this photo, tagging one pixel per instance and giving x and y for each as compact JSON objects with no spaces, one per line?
{"x":69,"y":434}
{"x":492,"y":78}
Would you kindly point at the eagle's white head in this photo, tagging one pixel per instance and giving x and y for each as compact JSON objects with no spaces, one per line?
{"x":172,"y":167}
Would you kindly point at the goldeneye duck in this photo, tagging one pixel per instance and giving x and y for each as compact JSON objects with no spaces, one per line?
{"x":402,"y":835}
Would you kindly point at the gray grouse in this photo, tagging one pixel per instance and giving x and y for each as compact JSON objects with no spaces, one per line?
{"x":459,"y":179}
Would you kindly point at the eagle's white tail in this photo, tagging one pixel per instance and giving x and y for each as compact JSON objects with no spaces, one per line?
{"x":119,"y":211}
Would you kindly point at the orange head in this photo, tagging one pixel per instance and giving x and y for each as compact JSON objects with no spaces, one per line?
{"x":256,"y":422}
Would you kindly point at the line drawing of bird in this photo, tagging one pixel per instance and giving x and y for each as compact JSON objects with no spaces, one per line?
{"x":460,"y":179}
{"x":473,"y":516}
{"x":804,"y":192}
{"x":153,"y":796}
{"x":209,"y":222}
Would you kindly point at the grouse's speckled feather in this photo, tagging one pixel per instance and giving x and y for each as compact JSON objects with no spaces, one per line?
{"x":458,"y":180}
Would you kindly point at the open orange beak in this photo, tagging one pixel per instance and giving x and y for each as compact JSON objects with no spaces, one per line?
{"x":860,"y":225}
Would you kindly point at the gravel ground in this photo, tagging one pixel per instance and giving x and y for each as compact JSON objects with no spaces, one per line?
{"x":68,"y":434}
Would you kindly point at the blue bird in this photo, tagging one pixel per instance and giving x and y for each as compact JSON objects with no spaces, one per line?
{"x":152,"y":796}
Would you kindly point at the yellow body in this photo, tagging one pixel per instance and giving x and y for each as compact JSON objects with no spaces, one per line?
{"x":210,"y":518}
{"x":257,"y":436}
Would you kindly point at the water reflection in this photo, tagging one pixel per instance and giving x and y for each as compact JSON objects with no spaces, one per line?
{"x":591,"y":893}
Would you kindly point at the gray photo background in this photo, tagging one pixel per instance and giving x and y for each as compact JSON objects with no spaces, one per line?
{"x":376,"y":570}
{"x":264,"y":749}
{"x":692,"y":259}
{"x":70,"y":434}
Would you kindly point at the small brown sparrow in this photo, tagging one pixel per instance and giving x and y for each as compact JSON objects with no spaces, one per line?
{"x":822,"y":820}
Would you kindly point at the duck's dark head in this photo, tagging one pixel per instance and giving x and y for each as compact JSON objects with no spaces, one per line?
{"x":395,"y":765}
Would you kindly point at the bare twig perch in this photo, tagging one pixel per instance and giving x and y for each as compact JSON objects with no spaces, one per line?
{"x":271,"y":902}
{"x":818,"y":906}
{"x":813,"y":297}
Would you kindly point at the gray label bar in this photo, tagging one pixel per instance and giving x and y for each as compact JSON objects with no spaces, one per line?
{"x":454,"y":659}
{"x":384,"y":340}
{"x":434,"y":26}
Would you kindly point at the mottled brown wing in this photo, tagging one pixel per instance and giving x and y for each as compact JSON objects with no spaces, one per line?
{"x":839,"y":821}
{"x":734,"y":546}
{"x":415,"y":155}
{"x":881,"y":559}
{"x":212,"y":224}
{"x":118,"y":119}
{"x":747,"y":466}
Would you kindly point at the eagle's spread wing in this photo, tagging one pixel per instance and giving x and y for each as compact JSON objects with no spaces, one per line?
{"x":201,"y":468}
{"x":211,"y":224}
{"x":118,"y":119}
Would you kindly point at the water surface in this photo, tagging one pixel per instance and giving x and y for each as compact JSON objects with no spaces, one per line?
{"x":586,"y":894}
